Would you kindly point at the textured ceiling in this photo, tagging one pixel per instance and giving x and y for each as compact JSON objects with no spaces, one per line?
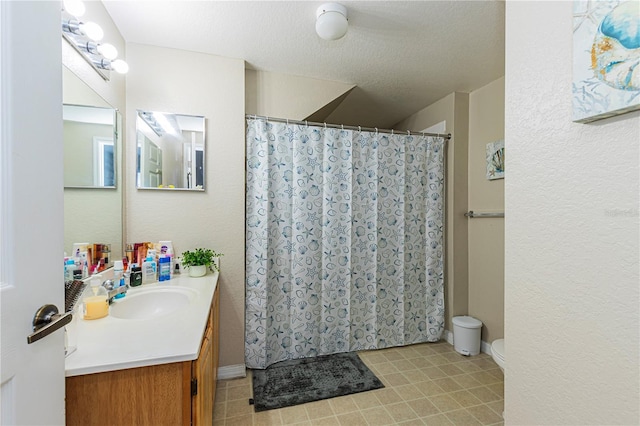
{"x":402,"y":55}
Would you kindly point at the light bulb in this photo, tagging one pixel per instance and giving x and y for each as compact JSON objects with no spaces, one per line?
{"x":74,"y":7}
{"x":108,"y":51}
{"x":92,"y":30}
{"x":120,"y":66}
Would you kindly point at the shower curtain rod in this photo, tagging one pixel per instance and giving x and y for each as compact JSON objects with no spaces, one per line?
{"x":446,"y":136}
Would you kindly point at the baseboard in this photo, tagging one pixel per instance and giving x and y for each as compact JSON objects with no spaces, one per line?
{"x":484,"y":346}
{"x":232,"y":372}
{"x":448,"y":336}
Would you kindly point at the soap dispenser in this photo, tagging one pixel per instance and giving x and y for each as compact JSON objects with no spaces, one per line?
{"x":96,"y":304}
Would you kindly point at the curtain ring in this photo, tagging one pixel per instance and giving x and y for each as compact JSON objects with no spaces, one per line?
{"x":287,"y":121}
{"x":306,"y":123}
{"x":391,"y":132}
{"x":359,"y":129}
{"x":325,"y":126}
{"x":408,"y":133}
{"x":376,"y":130}
{"x":342,"y":125}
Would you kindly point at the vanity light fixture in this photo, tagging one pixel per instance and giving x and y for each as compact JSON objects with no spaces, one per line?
{"x":161,"y":123}
{"x":148,"y":117}
{"x":74,"y":7}
{"x":331,"y":21}
{"x":85,"y":38}
{"x":163,"y":120}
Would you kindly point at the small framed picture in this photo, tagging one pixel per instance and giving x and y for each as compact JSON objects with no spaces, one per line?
{"x":495,"y":160}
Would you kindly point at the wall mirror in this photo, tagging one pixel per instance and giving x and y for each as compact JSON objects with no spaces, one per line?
{"x":170,"y":151}
{"x":93,"y":213}
{"x":89,"y":134}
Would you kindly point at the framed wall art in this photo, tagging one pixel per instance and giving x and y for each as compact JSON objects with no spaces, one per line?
{"x":606,"y":58}
{"x":495,"y":160}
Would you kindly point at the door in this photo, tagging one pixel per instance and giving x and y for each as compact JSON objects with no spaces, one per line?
{"x":202,"y":403}
{"x":152,"y":167}
{"x":31,"y":210}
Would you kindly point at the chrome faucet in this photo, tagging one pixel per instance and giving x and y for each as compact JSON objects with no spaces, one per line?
{"x":112,"y":290}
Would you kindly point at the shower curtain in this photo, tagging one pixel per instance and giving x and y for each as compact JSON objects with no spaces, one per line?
{"x":344,"y":241}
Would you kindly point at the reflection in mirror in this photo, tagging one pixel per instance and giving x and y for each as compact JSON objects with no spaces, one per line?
{"x":89,"y":151}
{"x":92,"y":214}
{"x":170,"y":151}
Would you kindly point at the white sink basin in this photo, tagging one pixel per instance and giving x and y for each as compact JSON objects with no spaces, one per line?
{"x":152,"y":303}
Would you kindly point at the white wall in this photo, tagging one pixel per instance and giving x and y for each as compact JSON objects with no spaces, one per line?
{"x":572,"y":238}
{"x":289,"y":96}
{"x":178,"y":81}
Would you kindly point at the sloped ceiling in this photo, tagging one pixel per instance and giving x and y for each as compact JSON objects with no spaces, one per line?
{"x":401,"y":55}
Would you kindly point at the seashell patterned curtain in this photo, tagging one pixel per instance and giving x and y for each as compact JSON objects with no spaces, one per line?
{"x":344,"y":241}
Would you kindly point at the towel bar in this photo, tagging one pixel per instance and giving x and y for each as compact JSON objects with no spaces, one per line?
{"x":472,"y":214}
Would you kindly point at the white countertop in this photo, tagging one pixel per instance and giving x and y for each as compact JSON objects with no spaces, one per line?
{"x":109,"y":343}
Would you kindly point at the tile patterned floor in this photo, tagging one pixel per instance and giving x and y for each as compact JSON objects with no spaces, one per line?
{"x":425,"y":384}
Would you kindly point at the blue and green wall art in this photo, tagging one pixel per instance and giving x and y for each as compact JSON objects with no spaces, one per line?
{"x":606,"y":58}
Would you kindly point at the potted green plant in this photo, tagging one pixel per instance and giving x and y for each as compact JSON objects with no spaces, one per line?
{"x":199,"y":260}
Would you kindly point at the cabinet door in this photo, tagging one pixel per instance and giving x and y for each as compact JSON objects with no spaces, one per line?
{"x":203,"y":372}
{"x":215,"y":339}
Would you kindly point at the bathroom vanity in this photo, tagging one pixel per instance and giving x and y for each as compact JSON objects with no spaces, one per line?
{"x":151,"y":361}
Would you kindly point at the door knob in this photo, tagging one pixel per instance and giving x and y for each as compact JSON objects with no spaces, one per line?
{"x":46,"y":321}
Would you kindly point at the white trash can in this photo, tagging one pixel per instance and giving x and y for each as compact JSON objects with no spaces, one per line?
{"x":466,"y":335}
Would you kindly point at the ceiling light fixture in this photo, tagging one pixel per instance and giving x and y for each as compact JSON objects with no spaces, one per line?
{"x":84,"y":37}
{"x":331,"y":21}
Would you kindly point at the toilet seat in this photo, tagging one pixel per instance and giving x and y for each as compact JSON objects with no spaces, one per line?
{"x":497,"y":351}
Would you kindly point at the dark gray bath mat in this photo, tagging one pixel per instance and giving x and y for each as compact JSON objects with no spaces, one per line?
{"x":298,"y":381}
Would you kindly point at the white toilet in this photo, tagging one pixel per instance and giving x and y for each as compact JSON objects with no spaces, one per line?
{"x":497,"y":352}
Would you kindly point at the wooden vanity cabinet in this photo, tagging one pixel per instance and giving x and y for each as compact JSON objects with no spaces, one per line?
{"x":180,"y":393}
{"x":205,"y":370}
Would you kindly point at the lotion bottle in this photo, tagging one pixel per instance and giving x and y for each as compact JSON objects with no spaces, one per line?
{"x":149,"y":268}
{"x":69,"y":266}
{"x":118,"y":276}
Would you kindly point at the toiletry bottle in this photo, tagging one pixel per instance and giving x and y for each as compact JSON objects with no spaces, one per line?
{"x":148,"y":270}
{"x":95,"y":305}
{"x":164,"y":268}
{"x":171,"y":258}
{"x":136,"y":275}
{"x":118,"y":277}
{"x":77,"y":269}
{"x":129,"y":253}
{"x":69,"y":266}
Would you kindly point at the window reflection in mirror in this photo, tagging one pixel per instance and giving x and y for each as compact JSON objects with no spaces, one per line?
{"x":89,"y":150}
{"x":170,"y":151}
